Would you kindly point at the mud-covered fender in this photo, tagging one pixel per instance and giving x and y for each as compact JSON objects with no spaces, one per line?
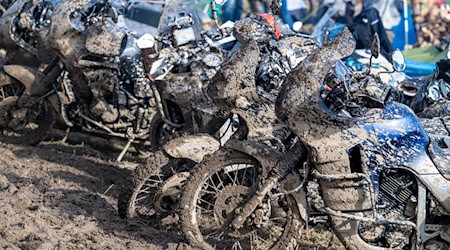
{"x":192,"y":147}
{"x":265,"y":155}
{"x":30,"y":77}
{"x":5,"y":79}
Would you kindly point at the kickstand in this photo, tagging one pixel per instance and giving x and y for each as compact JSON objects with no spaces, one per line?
{"x":124,"y":151}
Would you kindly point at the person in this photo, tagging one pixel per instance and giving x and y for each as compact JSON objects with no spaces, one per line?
{"x":297,"y":9}
{"x":365,"y":26}
{"x":345,"y":10}
{"x":390,"y":11}
{"x":232,"y":10}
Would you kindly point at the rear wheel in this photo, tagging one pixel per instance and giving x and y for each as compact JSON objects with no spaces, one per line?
{"x":216,"y":189}
{"x":154,"y":190}
{"x":27,"y":126}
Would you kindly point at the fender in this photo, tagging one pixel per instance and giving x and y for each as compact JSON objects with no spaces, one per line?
{"x":264,"y":154}
{"x":5,"y":79}
{"x":30,"y":77}
{"x":192,"y":147}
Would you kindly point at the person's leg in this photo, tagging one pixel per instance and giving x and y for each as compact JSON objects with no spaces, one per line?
{"x":285,"y":15}
{"x":237,"y":12}
{"x":254,"y":6}
{"x":296,"y":15}
{"x":228,"y":10}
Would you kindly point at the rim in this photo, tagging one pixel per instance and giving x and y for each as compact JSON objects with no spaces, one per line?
{"x":216,"y":200}
{"x":160,"y":193}
{"x":9,"y":90}
{"x":144,"y":198}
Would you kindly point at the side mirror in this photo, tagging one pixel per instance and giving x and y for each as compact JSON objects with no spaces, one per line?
{"x":146,"y":41}
{"x":398,"y":60}
{"x":375,"y":46}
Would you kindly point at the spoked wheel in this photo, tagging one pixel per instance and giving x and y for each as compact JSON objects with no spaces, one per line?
{"x":217,"y":188}
{"x":155,"y":189}
{"x":27,"y":126}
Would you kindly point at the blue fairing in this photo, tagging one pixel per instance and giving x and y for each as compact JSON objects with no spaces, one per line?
{"x":396,"y":139}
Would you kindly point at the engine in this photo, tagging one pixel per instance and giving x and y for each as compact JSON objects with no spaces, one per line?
{"x":396,"y":201}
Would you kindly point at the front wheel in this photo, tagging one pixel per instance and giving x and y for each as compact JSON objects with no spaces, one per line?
{"x":216,"y":189}
{"x":19,"y":125}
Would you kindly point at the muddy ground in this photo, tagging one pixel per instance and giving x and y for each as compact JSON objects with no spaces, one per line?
{"x":64,"y":196}
{"x":60,"y":196}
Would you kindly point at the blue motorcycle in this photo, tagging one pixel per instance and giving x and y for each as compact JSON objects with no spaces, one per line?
{"x":383,"y":180}
{"x":368,"y":163}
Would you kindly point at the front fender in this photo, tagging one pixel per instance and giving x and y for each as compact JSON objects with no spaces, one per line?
{"x":30,"y":77}
{"x":192,"y":147}
{"x":265,"y":155}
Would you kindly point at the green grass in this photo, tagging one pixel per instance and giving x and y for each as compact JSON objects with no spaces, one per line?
{"x":424,"y":54}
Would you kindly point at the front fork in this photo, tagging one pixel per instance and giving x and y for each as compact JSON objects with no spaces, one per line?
{"x":283,"y":168}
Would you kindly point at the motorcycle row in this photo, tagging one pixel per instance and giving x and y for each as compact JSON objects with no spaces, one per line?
{"x":251,"y":132}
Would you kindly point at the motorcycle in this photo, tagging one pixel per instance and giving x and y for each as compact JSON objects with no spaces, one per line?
{"x":98,"y":83}
{"x":361,"y":159}
{"x":162,"y":177}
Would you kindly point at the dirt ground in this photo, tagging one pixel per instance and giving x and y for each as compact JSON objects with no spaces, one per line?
{"x":57,"y":196}
{"x":64,"y":196}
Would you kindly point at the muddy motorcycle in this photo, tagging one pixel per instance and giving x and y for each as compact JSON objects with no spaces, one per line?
{"x":166,"y":171}
{"x":383,"y":184}
{"x":102,"y":89}
{"x":64,"y":81}
{"x":25,"y":115}
{"x":432,"y":93}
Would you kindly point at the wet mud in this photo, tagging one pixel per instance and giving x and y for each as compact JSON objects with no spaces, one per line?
{"x":59,"y":197}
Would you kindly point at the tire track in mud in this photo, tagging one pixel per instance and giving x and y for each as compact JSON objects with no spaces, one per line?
{"x":53,"y":197}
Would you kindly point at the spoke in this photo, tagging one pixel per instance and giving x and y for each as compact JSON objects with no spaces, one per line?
{"x":213,"y":187}
{"x":236,"y":176}
{"x":206,"y":211}
{"x":243,"y":176}
{"x":237,"y":245}
{"x":141,"y":198}
{"x":154,"y":181}
{"x":210,"y":204}
{"x":229,"y":176}
{"x":221,"y":186}
{"x":216,"y":234}
{"x":146,"y":190}
{"x":3,"y":93}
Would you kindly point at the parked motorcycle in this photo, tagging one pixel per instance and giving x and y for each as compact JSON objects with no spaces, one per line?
{"x":361,"y":159}
{"x":165,"y":172}
{"x":98,"y":82}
